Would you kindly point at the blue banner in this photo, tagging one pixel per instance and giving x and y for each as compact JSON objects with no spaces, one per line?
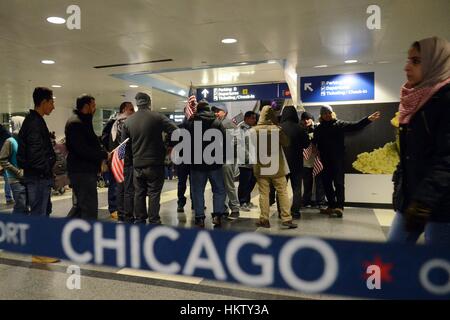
{"x":339,"y":87}
{"x":245,"y":93}
{"x":306,"y":264}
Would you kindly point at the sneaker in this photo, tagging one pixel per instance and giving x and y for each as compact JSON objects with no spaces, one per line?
{"x":180,"y":210}
{"x":244,"y":207}
{"x":44,"y":260}
{"x":263,"y":224}
{"x":10,"y":202}
{"x":328,"y":211}
{"x":289,"y":224}
{"x":251,"y":205}
{"x":115,"y":215}
{"x":217,"y":221}
{"x":338,"y":213}
{"x":199,"y":222}
{"x":234,"y":215}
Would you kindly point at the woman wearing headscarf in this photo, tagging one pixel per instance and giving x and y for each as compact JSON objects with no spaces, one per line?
{"x":422,"y":180}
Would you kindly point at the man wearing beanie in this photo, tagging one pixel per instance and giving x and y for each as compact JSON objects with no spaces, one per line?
{"x":144,"y":129}
{"x":329,"y":138}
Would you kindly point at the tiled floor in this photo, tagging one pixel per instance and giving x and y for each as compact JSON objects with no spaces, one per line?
{"x":19,"y":279}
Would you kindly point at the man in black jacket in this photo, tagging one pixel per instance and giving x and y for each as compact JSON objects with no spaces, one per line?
{"x":298,"y":139}
{"x":144,"y":129}
{"x":329,"y":138}
{"x":84,"y":159}
{"x":35,"y":155}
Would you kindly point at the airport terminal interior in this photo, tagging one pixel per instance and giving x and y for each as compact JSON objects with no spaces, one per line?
{"x":233,"y":53}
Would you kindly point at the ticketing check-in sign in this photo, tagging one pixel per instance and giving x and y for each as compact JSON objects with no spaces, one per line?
{"x":340,"y":87}
{"x":245,"y":93}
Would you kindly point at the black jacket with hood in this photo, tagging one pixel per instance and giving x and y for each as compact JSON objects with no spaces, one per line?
{"x":85,"y":151}
{"x":423,"y":174}
{"x":208,"y":120}
{"x":35,"y":155}
{"x":298,"y":138}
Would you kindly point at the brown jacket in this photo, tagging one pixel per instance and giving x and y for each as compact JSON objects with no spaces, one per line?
{"x":275,"y":165}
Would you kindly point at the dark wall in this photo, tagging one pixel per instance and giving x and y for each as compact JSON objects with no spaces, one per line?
{"x":375,"y":136}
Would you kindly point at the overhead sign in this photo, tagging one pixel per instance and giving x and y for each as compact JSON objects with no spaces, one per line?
{"x":305,"y":264}
{"x":340,"y":87}
{"x":245,"y":93}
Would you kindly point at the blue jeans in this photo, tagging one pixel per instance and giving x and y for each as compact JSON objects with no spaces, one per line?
{"x":8,"y":193}
{"x":436,"y":233}
{"x":199,"y":180}
{"x":20,"y":197}
{"x":39,"y":191}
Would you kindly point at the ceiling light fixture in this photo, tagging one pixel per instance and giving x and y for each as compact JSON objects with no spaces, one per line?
{"x":351,"y":61}
{"x":182,"y":93}
{"x":321,"y":66}
{"x":163,"y":108}
{"x":134,"y":86}
{"x":229,"y":41}
{"x":271,"y":62}
{"x":56,"y":20}
{"x":56,"y":86}
{"x":48,"y":62}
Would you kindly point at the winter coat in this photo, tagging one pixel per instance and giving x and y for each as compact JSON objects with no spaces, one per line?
{"x":266,"y":124}
{"x":35,"y":154}
{"x":85,"y":151}
{"x":298,"y":139}
{"x":423,"y":174}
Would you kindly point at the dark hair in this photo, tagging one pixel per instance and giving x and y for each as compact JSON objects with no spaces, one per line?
{"x":249,"y":114}
{"x":123,"y":106}
{"x":40,"y":94}
{"x":84,"y":100}
{"x":416,"y":45}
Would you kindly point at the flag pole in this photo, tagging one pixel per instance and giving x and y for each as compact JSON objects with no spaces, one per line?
{"x":120,"y":145}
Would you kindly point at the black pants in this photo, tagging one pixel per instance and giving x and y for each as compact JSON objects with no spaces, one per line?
{"x":247,"y":182}
{"x":312,"y":185}
{"x":148,"y":182}
{"x":296,"y":186}
{"x":333,"y":173}
{"x":184,"y":173}
{"x":125,"y":196}
{"x":85,"y":198}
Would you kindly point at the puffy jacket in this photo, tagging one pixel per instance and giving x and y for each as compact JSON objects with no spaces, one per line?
{"x":423,"y":174}
{"x":85,"y":151}
{"x":208,"y":120}
{"x":266,"y":124}
{"x":298,"y":138}
{"x":145,"y":129}
{"x":330,"y":137}
{"x":35,"y":155}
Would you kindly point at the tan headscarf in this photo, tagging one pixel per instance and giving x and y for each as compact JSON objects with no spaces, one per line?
{"x":435,"y":53}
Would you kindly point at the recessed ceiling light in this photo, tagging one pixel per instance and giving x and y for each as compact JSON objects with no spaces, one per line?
{"x":56,"y":20}
{"x":271,"y":62}
{"x":163,"y":108}
{"x":229,"y":41}
{"x":56,"y":86}
{"x":384,"y":62}
{"x":243,"y":63}
{"x":321,"y":66}
{"x":48,"y":62}
{"x":134,"y":86}
{"x":351,"y":61}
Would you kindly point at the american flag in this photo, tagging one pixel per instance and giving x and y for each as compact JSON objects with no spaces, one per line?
{"x":308,"y":152}
{"x":191,"y":105}
{"x":318,"y":166}
{"x":117,"y":163}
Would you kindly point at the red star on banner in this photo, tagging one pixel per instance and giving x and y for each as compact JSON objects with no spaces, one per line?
{"x":385,"y":269}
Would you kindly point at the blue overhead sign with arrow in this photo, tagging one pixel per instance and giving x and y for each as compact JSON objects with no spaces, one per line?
{"x":340,"y":87}
{"x":245,"y":93}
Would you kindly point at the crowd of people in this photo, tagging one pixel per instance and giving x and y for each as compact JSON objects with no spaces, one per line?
{"x":422,"y":181}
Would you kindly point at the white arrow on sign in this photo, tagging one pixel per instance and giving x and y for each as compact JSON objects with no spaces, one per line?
{"x":205,"y":93}
{"x":308,"y":87}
